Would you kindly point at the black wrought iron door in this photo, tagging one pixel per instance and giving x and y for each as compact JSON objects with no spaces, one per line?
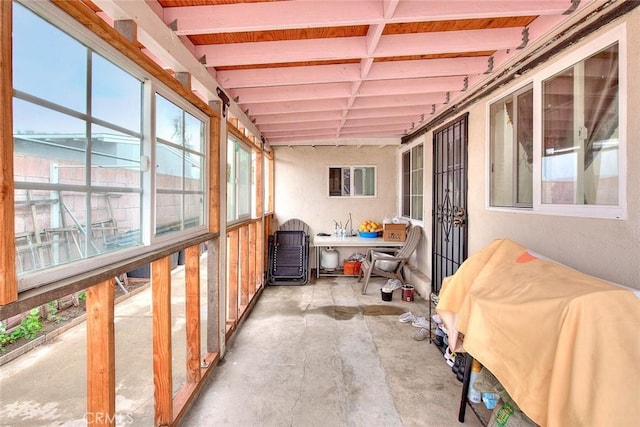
{"x":449,"y":200}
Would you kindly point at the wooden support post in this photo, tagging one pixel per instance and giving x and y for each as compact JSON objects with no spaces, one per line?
{"x":260,"y":184}
{"x":253,"y":277}
{"x":8,"y":280}
{"x":244,"y":267}
{"x":162,"y":354}
{"x":101,"y":365}
{"x":232,"y":284}
{"x":192,"y":312}
{"x":260,"y":245}
{"x":214,"y":173}
{"x":213,"y":296}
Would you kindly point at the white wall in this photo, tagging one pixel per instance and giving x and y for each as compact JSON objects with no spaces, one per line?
{"x":301,"y":185}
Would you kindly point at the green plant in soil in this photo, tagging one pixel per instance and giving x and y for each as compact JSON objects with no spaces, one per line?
{"x":28,"y":329}
{"x":5,"y":338}
{"x":51,"y":313}
{"x":30,"y":325}
{"x":82,"y":296}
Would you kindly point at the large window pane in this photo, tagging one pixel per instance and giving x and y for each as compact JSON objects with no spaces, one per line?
{"x":406,"y":184}
{"x":232,"y":214}
{"x":580,"y":145}
{"x":244,"y":183}
{"x":179,"y":170}
{"x":524,"y":148}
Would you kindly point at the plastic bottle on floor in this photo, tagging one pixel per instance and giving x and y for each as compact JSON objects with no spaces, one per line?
{"x":474,"y":395}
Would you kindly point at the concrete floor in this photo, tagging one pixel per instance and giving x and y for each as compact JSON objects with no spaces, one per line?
{"x":320,"y":354}
{"x":325,"y":355}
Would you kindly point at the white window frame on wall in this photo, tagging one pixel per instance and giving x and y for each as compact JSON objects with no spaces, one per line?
{"x":168,"y":94}
{"x":616,"y":35}
{"x":352,"y":185}
{"x":513,"y":95}
{"x":237,"y":217}
{"x":410,"y":152}
{"x":569,"y":59}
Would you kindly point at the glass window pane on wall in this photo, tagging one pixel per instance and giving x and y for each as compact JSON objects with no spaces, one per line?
{"x":501,"y":153}
{"x":524,"y":149}
{"x":179,"y":167}
{"x":346,"y":182}
{"x":580,"y":162}
{"x":63,"y":80}
{"x":364,"y":181}
{"x":232,"y":214}
{"x":335,"y":182}
{"x":511,"y":145}
{"x":412,"y":183}
{"x":352,"y":181}
{"x":244,"y":183}
{"x":406,"y":184}
{"x":239,"y":181}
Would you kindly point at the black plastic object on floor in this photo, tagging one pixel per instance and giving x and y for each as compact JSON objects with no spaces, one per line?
{"x":288,"y":258}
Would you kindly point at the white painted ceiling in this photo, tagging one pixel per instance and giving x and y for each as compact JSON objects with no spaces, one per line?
{"x":333,"y":71}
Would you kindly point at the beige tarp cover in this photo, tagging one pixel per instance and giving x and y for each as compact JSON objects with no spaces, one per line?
{"x":565,"y":345}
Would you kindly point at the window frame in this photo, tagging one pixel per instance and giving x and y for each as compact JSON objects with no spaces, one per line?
{"x":411,"y":152}
{"x":250,"y":193}
{"x":159,"y":89}
{"x":570,"y":59}
{"x":352,"y":186}
{"x":150,"y":84}
{"x":515,"y":204}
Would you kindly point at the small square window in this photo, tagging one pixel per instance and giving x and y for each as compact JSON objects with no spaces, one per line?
{"x":352,"y":181}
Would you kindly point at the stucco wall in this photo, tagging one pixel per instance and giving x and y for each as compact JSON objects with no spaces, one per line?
{"x":301,"y":185}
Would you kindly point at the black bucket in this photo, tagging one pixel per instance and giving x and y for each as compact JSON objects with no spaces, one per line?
{"x":386,"y":296}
